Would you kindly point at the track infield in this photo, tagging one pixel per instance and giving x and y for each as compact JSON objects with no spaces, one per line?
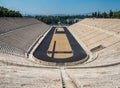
{"x":59,"y":46}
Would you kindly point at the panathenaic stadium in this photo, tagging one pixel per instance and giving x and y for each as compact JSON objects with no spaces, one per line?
{"x":36,"y":55}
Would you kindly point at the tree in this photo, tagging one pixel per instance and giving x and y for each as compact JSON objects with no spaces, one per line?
{"x":111,"y":14}
{"x":104,"y":15}
{"x":4,"y":12}
{"x":94,"y":14}
{"x":116,"y":14}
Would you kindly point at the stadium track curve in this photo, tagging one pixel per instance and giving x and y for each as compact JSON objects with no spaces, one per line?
{"x":42,"y":50}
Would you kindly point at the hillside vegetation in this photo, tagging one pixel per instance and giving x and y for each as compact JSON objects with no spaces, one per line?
{"x":68,"y":20}
{"x":4,"y":12}
{"x":110,"y":14}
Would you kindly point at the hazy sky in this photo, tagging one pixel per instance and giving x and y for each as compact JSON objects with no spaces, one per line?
{"x":48,"y":7}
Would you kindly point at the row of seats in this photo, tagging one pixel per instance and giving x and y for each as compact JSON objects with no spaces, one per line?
{"x":112,"y":25}
{"x":9,"y":24}
{"x":28,"y":76}
{"x":96,"y":77}
{"x":5,"y":48}
{"x":103,"y":71}
{"x":98,"y":42}
{"x":22,"y":38}
{"x":16,"y":37}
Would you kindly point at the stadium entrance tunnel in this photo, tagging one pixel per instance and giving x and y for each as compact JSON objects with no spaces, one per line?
{"x":59,"y":47}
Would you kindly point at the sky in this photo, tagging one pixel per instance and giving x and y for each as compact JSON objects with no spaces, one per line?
{"x":69,"y":7}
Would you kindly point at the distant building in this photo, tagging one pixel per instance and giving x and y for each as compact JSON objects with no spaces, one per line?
{"x":71,"y":21}
{"x":59,"y":23}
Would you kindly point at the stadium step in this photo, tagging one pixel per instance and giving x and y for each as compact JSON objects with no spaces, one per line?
{"x":67,"y":82}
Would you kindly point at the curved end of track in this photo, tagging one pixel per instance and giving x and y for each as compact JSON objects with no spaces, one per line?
{"x":59,"y":47}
